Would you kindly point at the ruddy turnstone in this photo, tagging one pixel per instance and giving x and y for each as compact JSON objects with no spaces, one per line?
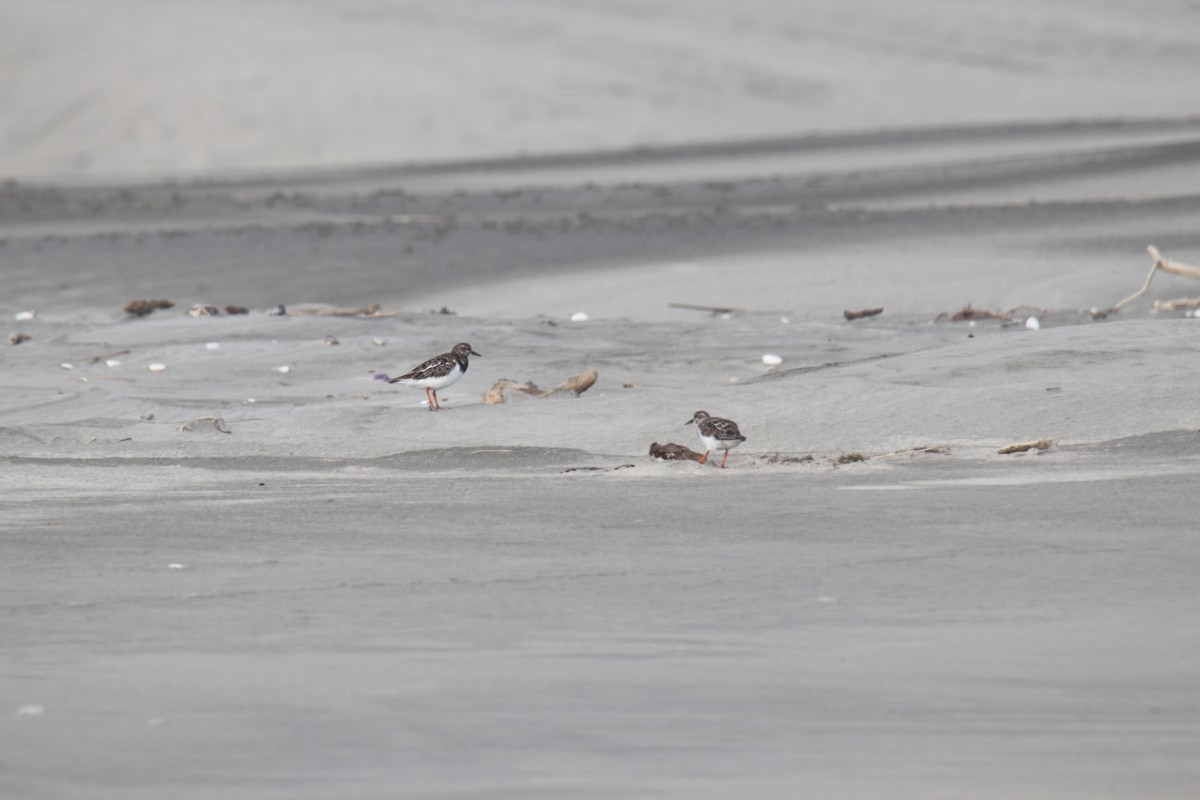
{"x":716,"y":434}
{"x":438,"y":372}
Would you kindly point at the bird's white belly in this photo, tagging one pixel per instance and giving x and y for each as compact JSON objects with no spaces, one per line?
{"x":713,"y":443}
{"x":435,"y":383}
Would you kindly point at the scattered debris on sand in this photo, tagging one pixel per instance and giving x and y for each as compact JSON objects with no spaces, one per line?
{"x":140,"y":308}
{"x":969,"y":313}
{"x":850,"y":458}
{"x":575,"y":385}
{"x":16,"y":337}
{"x":234,"y":311}
{"x":865,"y":312}
{"x":1040,"y":444}
{"x":778,"y":458}
{"x":599,"y":469}
{"x":201,"y":310}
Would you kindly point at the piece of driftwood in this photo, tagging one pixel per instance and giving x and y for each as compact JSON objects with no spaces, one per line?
{"x":140,"y":308}
{"x":1177,"y":304}
{"x":16,"y":337}
{"x":1159,"y":263}
{"x":234,"y":311}
{"x":674,"y":452}
{"x":204,"y":422}
{"x":865,"y":312}
{"x":1040,"y":444}
{"x":576,"y":385}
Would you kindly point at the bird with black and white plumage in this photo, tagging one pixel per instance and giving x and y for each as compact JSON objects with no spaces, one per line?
{"x":716,"y":434}
{"x":438,"y":372}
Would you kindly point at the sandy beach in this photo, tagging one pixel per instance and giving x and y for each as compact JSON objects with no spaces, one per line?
{"x":234,"y":561}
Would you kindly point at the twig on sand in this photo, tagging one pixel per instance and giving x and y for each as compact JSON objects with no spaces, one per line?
{"x":714,"y":310}
{"x":674,"y":452}
{"x":1040,"y":444}
{"x":106,"y":356}
{"x":369,"y":310}
{"x":1166,"y":265}
{"x":865,"y":312}
{"x":940,"y":449}
{"x":576,"y":385}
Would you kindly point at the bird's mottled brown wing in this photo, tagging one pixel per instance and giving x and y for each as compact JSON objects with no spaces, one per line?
{"x":436,"y":367}
{"x":722,"y":428}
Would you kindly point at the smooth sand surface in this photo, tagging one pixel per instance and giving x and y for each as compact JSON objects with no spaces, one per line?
{"x":347,"y":596}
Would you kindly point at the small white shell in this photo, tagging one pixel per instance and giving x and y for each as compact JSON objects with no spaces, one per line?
{"x":285,"y":369}
{"x":251,"y":400}
{"x":772,"y":360}
{"x":67,"y":366}
{"x":784,"y":320}
{"x":1032,"y":323}
{"x":156,"y":367}
{"x":112,"y":362}
{"x":174,"y":566}
{"x":378,"y":342}
{"x":212,"y":346}
{"x":579,"y":316}
{"x":22,"y":316}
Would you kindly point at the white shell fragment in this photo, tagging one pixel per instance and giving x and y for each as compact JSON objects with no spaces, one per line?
{"x":772,"y":360}
{"x":156,"y":367}
{"x":579,"y":316}
{"x":112,"y":362}
{"x":31,"y":711}
{"x":378,"y":342}
{"x":212,"y":346}
{"x":284,"y":369}
{"x":67,"y":366}
{"x":174,"y":566}
{"x":1032,"y":323}
{"x":23,"y":316}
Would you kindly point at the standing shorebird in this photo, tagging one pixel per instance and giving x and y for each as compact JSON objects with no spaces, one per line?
{"x":438,"y":372}
{"x":716,"y":434}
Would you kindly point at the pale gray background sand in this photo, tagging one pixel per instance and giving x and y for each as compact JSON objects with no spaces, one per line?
{"x":347,"y":596}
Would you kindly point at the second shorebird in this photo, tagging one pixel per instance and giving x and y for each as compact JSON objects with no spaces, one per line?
{"x":438,"y":372}
{"x":716,"y":434}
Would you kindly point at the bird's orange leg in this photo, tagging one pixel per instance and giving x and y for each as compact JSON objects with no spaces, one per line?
{"x":428,"y":399}
{"x":704,"y":458}
{"x":723,"y":460}
{"x":435,"y":400}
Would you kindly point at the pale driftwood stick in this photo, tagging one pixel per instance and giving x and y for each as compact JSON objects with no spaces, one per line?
{"x":1166,"y":265}
{"x":1176,"y":304}
{"x":192,"y":424}
{"x":1040,"y":444}
{"x":577,"y":384}
{"x":866,"y":312}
